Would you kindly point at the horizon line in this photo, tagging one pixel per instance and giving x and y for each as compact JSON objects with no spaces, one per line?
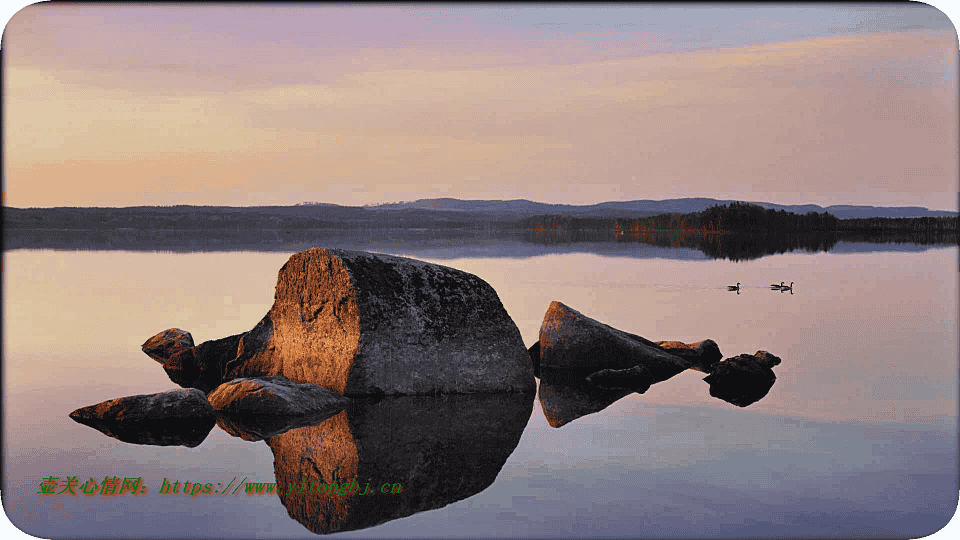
{"x":370,"y":205}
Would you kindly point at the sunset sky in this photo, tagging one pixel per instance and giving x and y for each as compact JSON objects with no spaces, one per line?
{"x":110,"y":105}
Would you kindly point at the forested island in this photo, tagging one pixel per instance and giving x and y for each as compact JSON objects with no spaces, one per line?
{"x":741,"y":217}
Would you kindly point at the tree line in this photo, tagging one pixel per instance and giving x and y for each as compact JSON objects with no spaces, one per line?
{"x":738,"y":217}
{"x":735,"y":217}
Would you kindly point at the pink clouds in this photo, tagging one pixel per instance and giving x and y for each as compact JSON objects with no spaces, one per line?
{"x":417,"y":99}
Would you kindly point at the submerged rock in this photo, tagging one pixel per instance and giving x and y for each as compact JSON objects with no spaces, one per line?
{"x":366,"y":324}
{"x":703,"y":355}
{"x":569,"y":339}
{"x":167,"y":343}
{"x":637,"y":379}
{"x":176,"y":417}
{"x":744,"y":379}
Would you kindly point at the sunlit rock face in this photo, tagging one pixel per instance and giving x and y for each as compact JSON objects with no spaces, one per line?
{"x":570,"y":339}
{"x":404,"y":455}
{"x":177,"y":417}
{"x":367,"y":324}
{"x":566,"y":395}
{"x":743,"y":380}
{"x":167,"y":343}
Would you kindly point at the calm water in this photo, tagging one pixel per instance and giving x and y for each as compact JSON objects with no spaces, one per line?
{"x":857,"y":438}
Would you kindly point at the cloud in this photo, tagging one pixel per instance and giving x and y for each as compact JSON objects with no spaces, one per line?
{"x":815,"y":116}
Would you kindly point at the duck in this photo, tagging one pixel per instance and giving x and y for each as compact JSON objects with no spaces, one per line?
{"x":780,"y":286}
{"x":734,"y":287}
{"x":787,"y":287}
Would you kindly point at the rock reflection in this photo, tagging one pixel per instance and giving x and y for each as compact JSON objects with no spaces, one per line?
{"x":566,"y":395}
{"x":440,"y":450}
{"x":258,"y":427}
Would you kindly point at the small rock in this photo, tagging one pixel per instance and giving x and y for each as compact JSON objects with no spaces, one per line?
{"x":167,"y":343}
{"x":202,"y":367}
{"x":276,"y":396}
{"x":176,"y":417}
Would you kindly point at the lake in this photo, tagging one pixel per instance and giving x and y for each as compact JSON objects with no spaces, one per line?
{"x":857,"y":437}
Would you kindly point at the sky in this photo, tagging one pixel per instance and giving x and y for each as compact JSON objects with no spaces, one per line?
{"x":247,"y":104}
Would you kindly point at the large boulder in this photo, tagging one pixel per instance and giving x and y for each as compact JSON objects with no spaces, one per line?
{"x":569,"y":339}
{"x":167,"y":343}
{"x":176,"y":417}
{"x":366,"y":324}
{"x":744,"y":379}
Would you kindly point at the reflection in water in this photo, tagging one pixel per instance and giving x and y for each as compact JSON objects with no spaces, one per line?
{"x":736,"y":246}
{"x":438,"y":450}
{"x":566,"y":395}
{"x":748,"y":389}
{"x":798,"y":463}
{"x":257,"y":427}
{"x":262,"y":237}
{"x":505,"y":241}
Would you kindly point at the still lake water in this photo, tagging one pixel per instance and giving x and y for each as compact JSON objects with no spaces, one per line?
{"x":857,"y":437}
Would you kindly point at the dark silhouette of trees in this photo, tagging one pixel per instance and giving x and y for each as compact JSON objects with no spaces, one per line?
{"x":735,"y":217}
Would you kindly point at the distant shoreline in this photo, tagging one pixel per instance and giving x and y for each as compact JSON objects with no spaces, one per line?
{"x":425,"y":213}
{"x":485,"y":216}
{"x":500,"y":210}
{"x":738,"y":231}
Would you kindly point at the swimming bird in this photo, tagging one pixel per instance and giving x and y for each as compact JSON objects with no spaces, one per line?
{"x":734,"y":287}
{"x":780,"y":286}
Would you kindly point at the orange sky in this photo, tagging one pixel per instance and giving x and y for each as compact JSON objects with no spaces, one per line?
{"x":245,"y":105}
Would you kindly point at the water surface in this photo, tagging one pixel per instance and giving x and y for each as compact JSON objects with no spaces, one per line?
{"x":857,"y":437}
